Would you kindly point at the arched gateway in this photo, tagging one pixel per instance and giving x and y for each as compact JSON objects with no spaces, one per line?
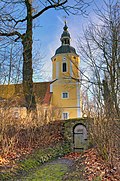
{"x":79,"y":137}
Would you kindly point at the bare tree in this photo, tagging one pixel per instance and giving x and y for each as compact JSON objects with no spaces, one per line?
{"x":11,"y":64}
{"x":16,"y":20}
{"x":100,"y":52}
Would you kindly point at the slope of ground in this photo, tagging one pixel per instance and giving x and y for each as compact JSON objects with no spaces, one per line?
{"x":85,"y":166}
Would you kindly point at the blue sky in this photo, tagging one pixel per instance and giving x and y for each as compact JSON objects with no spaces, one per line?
{"x":49,"y":27}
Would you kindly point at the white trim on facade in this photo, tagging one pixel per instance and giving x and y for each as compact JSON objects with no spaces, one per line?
{"x":57,"y":69}
{"x":78,"y":100}
{"x":51,"y":88}
{"x":71,"y":71}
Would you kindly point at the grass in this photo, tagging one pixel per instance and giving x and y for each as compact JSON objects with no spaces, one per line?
{"x":51,"y":172}
{"x":42,"y":156}
{"x":36,"y":160}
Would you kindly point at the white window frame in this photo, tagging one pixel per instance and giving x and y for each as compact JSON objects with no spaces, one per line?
{"x":65,"y":115}
{"x":66,"y":67}
{"x":67,"y":93}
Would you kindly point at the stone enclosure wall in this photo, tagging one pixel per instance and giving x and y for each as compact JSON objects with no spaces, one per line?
{"x":75,"y":131}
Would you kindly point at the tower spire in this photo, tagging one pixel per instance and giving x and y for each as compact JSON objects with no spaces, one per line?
{"x":65,"y":41}
{"x":65,"y":37}
{"x":65,"y":21}
{"x":65,"y":27}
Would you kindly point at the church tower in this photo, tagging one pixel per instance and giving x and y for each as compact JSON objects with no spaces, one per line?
{"x":65,"y":75}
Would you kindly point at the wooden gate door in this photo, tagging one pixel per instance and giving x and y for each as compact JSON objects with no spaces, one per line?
{"x":79,"y":137}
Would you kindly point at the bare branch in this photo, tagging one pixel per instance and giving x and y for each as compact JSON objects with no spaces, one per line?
{"x":55,"y":5}
{"x":11,"y":34}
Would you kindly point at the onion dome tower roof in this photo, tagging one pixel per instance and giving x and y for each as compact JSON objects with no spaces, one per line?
{"x":65,"y":41}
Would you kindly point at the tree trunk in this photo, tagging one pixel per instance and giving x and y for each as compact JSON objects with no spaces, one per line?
{"x":27,"y":61}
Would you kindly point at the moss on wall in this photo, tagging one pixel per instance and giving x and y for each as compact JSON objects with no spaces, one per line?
{"x":68,"y":127}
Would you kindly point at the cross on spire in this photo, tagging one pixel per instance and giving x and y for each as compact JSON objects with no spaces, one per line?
{"x":65,"y":19}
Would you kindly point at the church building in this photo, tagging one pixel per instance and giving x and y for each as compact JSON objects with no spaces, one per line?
{"x":65,"y":86}
{"x":63,"y":92}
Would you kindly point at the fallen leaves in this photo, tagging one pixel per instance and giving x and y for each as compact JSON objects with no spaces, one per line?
{"x":8,"y":161}
{"x":73,"y":156}
{"x":3,"y":161}
{"x":95,"y":168}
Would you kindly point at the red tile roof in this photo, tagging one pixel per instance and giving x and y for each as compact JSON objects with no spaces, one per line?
{"x":47,"y":97}
{"x":13,"y":94}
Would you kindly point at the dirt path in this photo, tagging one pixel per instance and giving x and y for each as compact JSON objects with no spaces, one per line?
{"x":65,"y":161}
{"x":76,"y":171}
{"x":61,"y":169}
{"x":50,"y":171}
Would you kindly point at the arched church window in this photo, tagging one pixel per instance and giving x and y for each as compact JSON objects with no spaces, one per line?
{"x":64,"y":67}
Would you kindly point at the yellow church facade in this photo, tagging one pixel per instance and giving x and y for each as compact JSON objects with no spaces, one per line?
{"x":62,"y":93}
{"x":65,"y":87}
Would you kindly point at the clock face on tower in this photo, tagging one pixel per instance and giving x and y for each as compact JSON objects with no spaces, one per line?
{"x":64,"y":58}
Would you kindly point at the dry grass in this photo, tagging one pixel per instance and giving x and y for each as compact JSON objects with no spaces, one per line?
{"x":104,"y":133}
{"x":28,"y":132}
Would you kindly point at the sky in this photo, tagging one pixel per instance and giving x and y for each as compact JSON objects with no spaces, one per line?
{"x":47,"y":33}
